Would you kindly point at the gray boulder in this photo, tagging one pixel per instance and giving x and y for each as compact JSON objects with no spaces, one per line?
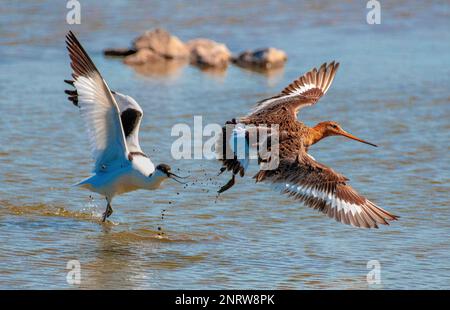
{"x":162,"y":43}
{"x":266,"y":58}
{"x":208,"y":53}
{"x":141,"y":57}
{"x":119,"y":52}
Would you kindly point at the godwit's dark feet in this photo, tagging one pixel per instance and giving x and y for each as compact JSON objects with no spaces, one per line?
{"x":227,"y":186}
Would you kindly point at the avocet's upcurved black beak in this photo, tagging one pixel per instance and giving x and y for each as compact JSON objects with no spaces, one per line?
{"x":175,"y":177}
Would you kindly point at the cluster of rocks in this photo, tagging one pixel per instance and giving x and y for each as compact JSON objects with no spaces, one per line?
{"x":158,"y":45}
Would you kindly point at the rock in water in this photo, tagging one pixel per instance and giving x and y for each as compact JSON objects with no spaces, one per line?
{"x":141,"y":57}
{"x":208,"y":53}
{"x":266,"y":58}
{"x":162,"y":43}
{"x":119,"y":52}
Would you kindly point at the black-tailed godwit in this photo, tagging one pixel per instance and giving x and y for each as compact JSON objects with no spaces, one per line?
{"x":298,"y":174}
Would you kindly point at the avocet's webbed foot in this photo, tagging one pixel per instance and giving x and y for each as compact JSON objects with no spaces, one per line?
{"x":108,"y":212}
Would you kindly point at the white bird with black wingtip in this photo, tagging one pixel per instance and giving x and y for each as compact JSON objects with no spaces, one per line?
{"x":112,"y":120}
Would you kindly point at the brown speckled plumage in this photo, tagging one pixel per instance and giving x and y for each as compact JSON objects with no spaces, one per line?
{"x":298,"y":174}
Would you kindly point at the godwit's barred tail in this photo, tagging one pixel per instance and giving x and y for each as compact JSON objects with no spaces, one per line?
{"x":298,"y":174}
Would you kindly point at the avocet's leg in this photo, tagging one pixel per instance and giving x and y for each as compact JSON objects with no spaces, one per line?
{"x":108,"y":211}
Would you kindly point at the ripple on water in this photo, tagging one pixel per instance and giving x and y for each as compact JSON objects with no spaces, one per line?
{"x":91,"y":214}
{"x":251,"y":236}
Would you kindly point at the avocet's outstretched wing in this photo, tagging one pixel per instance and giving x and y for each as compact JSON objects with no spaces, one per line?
{"x":98,"y":109}
{"x":131,"y":115}
{"x":304,"y":91}
{"x":325,"y":190}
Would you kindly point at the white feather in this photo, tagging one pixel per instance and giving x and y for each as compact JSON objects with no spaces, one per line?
{"x":102,"y":120}
{"x":126,"y":102}
{"x":239,"y":145}
{"x":329,"y":198}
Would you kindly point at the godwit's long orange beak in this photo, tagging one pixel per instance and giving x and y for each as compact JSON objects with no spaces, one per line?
{"x":350,"y":136}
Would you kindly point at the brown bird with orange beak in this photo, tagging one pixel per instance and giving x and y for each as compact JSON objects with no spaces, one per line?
{"x":298,"y":174}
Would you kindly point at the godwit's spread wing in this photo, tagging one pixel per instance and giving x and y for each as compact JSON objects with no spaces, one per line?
{"x":323,"y":189}
{"x":282,"y":110}
{"x":304,"y":91}
{"x":131,"y":115}
{"x":98,"y":109}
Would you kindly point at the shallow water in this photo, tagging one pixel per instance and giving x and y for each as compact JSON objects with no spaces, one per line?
{"x":391,"y":89}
